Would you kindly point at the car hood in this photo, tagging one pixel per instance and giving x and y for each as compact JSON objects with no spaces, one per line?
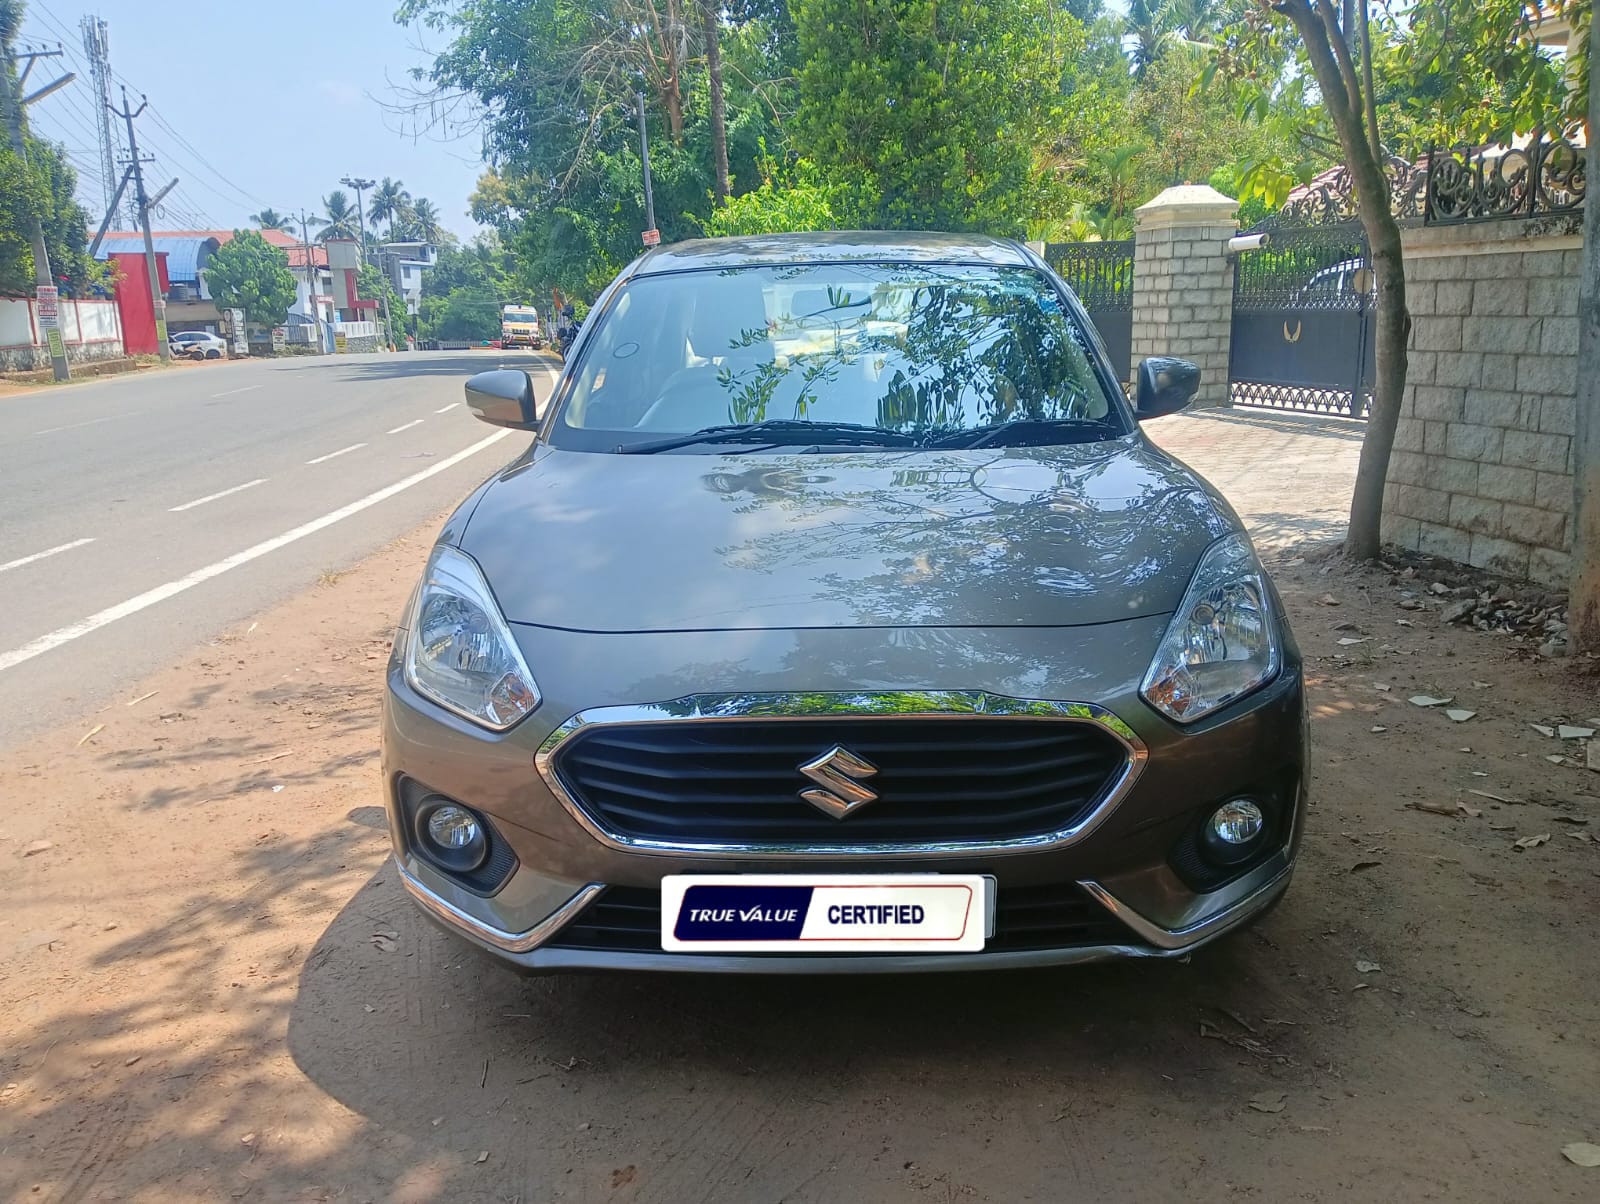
{"x":1014,"y":537}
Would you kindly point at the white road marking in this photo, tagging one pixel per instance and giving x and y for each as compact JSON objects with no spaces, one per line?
{"x":60,"y":547}
{"x":231,"y":392}
{"x":65,"y":635}
{"x":448,"y":408}
{"x":406,"y":426}
{"x":72,"y":426}
{"x":211,"y":497}
{"x":340,"y":452}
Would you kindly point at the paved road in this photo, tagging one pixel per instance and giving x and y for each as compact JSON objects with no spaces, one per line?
{"x":141,"y":516}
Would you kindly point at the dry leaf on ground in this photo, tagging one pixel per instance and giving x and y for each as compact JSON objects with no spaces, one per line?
{"x":1582,"y":1153}
{"x":1269,"y":1101}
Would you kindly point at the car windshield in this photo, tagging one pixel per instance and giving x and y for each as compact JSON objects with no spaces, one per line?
{"x":830,"y":353}
{"x":521,"y":315}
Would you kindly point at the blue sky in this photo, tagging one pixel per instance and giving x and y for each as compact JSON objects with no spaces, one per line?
{"x":275,"y":103}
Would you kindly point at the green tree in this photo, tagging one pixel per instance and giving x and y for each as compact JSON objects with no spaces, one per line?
{"x":270,"y":219}
{"x":390,"y":203}
{"x":467,"y":313}
{"x":480,"y":266}
{"x":552,"y":84}
{"x":39,"y":185}
{"x":43,"y":187}
{"x":251,"y":274}
{"x":423,"y":221}
{"x":1484,"y":77}
{"x":793,"y":198}
{"x":928,"y":113}
{"x":341,"y":220}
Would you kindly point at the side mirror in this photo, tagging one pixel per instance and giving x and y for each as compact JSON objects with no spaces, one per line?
{"x":1165,"y":386}
{"x":503,"y":397}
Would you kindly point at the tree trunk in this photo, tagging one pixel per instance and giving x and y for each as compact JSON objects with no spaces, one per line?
{"x":672,"y":89}
{"x":1346,"y":104}
{"x":1362,"y":539}
{"x":710,"y":11}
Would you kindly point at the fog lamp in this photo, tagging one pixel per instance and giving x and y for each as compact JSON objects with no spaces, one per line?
{"x":453,"y":837}
{"x":1234,"y":831}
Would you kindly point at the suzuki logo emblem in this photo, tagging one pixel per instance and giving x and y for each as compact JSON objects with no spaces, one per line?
{"x":838,"y":773}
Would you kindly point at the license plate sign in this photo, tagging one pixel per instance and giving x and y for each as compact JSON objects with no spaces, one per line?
{"x":825,"y":913}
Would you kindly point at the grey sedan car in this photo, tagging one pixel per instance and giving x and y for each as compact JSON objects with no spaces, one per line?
{"x":840,"y":618}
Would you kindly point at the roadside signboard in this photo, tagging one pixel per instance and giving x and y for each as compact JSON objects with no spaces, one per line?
{"x":341,"y":341}
{"x":280,"y":336}
{"x":652,"y":237}
{"x":49,"y":309}
{"x":241,"y":337}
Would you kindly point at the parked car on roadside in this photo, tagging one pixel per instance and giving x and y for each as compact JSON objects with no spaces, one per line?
{"x":840,"y":618}
{"x":198,"y":344}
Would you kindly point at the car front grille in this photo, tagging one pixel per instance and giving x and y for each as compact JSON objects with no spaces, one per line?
{"x":969,"y":780}
{"x":627,"y":919}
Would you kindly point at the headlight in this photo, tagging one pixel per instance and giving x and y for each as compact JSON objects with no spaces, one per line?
{"x":1223,"y":641}
{"x":459,"y":651}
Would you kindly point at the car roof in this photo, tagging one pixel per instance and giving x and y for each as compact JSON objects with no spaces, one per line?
{"x":830,"y":246}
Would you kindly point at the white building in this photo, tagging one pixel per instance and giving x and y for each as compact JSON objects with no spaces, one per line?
{"x":405,"y":262}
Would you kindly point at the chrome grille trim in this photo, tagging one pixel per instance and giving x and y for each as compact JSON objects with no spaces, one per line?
{"x":907,"y":704}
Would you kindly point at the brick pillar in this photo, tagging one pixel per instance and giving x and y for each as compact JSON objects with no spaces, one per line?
{"x":1183,"y":283}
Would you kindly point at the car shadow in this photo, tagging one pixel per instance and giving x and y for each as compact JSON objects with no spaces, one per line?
{"x":572,"y":1079}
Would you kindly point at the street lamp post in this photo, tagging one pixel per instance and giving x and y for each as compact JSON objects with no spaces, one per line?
{"x":360,"y":185}
{"x":651,"y":235}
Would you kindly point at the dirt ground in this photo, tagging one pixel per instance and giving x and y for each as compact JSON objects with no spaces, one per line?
{"x":213,"y":987}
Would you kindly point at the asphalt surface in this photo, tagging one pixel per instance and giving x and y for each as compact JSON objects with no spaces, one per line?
{"x":140,"y":516}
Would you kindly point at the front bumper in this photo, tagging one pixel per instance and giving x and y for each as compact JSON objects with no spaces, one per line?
{"x":532,"y":952}
{"x":1122,"y":863}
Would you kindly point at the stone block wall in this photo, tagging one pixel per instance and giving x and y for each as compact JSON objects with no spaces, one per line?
{"x":1482,"y":464}
{"x":1183,"y":284}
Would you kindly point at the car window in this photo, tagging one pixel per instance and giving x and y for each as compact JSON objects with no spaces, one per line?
{"x":928,"y":350}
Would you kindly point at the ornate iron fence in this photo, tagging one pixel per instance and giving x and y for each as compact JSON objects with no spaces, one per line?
{"x":1101,"y":273}
{"x":1483,"y":184}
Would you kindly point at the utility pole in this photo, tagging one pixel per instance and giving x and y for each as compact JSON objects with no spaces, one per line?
{"x":15,"y":103}
{"x":360,"y":185}
{"x":1583,"y":600}
{"x":651,"y":236}
{"x":143,"y":202}
{"x":311,"y":281}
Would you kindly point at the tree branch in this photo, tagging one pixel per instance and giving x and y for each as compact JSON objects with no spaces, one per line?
{"x":1339,"y":42}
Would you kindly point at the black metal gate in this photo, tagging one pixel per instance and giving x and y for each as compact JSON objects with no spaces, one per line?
{"x":1302,"y":334}
{"x":1101,"y":273}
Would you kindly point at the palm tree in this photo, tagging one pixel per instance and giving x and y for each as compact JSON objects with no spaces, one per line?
{"x":424,"y":221}
{"x":341,"y":219}
{"x":270,"y":219}
{"x":1154,"y":26}
{"x":389,"y":203}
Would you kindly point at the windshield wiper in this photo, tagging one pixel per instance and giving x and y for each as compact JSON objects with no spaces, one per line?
{"x":763,"y":432}
{"x":1031,"y":431}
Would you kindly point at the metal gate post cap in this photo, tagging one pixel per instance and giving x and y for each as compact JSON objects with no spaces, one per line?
{"x":1186,"y":205}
